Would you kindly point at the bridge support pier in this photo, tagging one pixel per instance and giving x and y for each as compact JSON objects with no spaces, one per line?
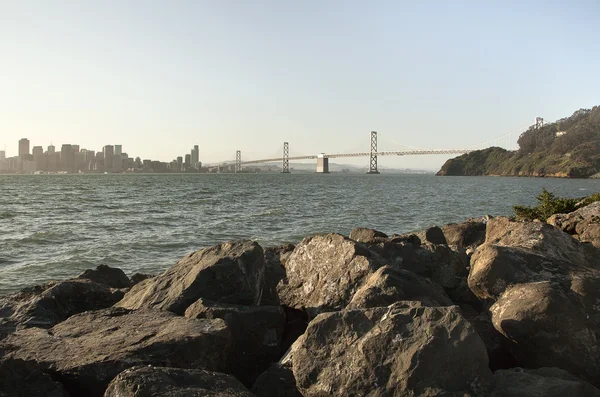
{"x":238,"y":161}
{"x":285,"y":165}
{"x":322,"y":164}
{"x":373,"y":157}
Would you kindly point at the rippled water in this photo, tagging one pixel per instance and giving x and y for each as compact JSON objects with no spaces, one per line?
{"x":56,"y":226}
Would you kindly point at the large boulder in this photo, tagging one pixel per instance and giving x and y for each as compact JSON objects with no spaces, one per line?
{"x":47,"y":305}
{"x":542,"y":287}
{"x":447,"y":267}
{"x":404,"y":350}
{"x":584,"y":223}
{"x":277,"y":381}
{"x":324,"y":272}
{"x":389,"y":285}
{"x":433,"y":235}
{"x":541,"y":382}
{"x":110,"y":276}
{"x":151,"y":381}
{"x":20,"y":378}
{"x":231,"y":272}
{"x":275,"y":258}
{"x":365,"y":235}
{"x":550,"y":328}
{"x":256,"y":334}
{"x":89,"y":349}
{"x":469,"y":234}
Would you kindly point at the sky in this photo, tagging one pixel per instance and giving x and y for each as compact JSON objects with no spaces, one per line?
{"x":161,"y":76}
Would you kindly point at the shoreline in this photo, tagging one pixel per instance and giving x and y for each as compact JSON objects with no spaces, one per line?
{"x":295,"y":298}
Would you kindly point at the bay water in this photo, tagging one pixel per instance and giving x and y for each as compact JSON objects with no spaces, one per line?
{"x":56,"y":226}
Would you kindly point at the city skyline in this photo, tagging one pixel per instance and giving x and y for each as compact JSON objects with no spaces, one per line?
{"x":72,"y":158}
{"x":248,"y":76}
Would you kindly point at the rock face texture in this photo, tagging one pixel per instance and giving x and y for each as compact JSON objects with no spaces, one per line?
{"x":257,"y":332}
{"x":402,"y":350}
{"x":20,"y":378}
{"x":542,"y":382}
{"x":433,"y":235}
{"x":88,"y":350}
{"x":583,"y":224}
{"x":469,"y":234}
{"x":47,"y":305}
{"x":175,"y":382}
{"x":106,"y":275}
{"x":324,"y":272}
{"x":275,"y":259}
{"x":231,"y":272}
{"x":365,"y":235}
{"x":389,"y":285}
{"x":277,"y":381}
{"x":543,"y":288}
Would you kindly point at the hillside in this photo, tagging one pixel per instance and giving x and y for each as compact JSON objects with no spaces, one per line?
{"x":567,"y":148}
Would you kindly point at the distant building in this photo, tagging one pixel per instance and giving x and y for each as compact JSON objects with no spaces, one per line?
{"x":2,"y":155}
{"x":39,"y":158}
{"x":51,"y":149}
{"x":109,"y":152}
{"x":195,"y":155}
{"x":118,"y":150}
{"x":23,"y":148}
{"x":188,"y":161}
{"x":179,"y":163}
{"x":67,"y":158}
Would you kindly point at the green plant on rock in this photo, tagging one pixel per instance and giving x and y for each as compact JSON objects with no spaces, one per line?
{"x":548,"y":205}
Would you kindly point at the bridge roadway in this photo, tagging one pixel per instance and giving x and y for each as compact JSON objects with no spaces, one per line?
{"x":323,"y":159}
{"x":358,"y":154}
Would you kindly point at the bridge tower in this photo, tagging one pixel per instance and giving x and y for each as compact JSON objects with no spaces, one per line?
{"x":285,"y":166}
{"x":539,"y":122}
{"x":238,"y":161}
{"x":373,"y":158}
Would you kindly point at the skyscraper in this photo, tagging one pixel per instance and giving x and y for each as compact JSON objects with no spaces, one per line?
{"x":118,"y":150}
{"x":23,"y":148}
{"x":67,"y":158}
{"x":195,"y":155}
{"x":2,"y":155}
{"x":51,"y":149}
{"x":109,"y":152}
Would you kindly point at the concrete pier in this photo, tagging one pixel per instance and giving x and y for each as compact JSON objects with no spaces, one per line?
{"x":322,"y":164}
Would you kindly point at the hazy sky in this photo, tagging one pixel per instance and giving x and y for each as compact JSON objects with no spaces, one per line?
{"x":161,"y":76}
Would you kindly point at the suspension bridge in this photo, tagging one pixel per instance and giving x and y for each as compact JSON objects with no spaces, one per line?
{"x":322,"y":160}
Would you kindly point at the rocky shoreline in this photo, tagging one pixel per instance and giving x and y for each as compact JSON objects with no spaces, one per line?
{"x":487,"y":307}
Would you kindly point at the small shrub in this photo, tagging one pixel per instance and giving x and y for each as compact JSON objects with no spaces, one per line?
{"x":548,"y":205}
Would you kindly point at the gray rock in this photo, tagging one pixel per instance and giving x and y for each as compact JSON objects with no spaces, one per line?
{"x":89,"y":349}
{"x":543,"y":287}
{"x":389,"y":285}
{"x":47,"y":305}
{"x":401,"y":350}
{"x":324,"y":272}
{"x":434,"y":235}
{"x":20,"y":378}
{"x":151,"y":381}
{"x":549,"y":327}
{"x":410,"y":238}
{"x":139,"y":277}
{"x":365,"y":235}
{"x":275,"y":257}
{"x":110,"y":276}
{"x":541,"y":382}
{"x":441,"y":264}
{"x":277,"y":381}
{"x":256,"y":335}
{"x":469,"y":234}
{"x":231,"y":272}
